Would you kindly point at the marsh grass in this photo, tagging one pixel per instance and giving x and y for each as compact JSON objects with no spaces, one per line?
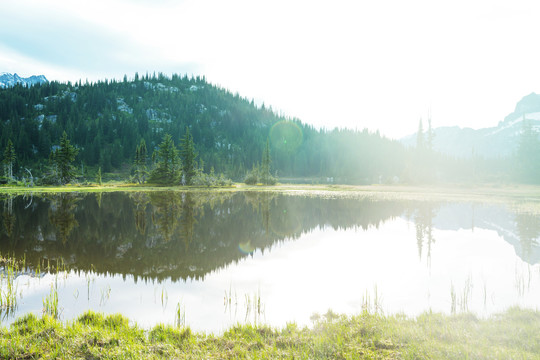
{"x":164,"y":298}
{"x":105,"y":295}
{"x":8,"y":286}
{"x":514,"y":334}
{"x":12,"y":268}
{"x":459,"y":301}
{"x":523,"y":278}
{"x":372,"y":303}
{"x":254,"y":308}
{"x":180,"y":315}
{"x":50,"y":302}
{"x":230,"y":303}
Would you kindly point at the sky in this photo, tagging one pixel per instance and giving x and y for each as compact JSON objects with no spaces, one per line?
{"x":381,"y":65}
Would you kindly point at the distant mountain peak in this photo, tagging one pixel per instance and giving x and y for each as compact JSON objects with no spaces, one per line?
{"x":494,"y":142}
{"x":8,"y":80}
{"x":528,"y":104}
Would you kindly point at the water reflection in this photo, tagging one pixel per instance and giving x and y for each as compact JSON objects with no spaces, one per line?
{"x":186,"y":235}
{"x":423,"y":220}
{"x":110,"y":239}
{"x":8,"y":217}
{"x":62,"y":214}
{"x":528,"y":232}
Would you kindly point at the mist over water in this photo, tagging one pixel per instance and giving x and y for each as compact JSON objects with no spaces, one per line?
{"x":225,"y":258}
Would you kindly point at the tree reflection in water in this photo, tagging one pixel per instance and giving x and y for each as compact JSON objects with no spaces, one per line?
{"x":62,"y":214}
{"x":186,"y":235}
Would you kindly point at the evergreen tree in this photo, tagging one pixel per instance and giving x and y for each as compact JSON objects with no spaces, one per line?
{"x":429,"y":136}
{"x":167,"y":167}
{"x":62,"y":158}
{"x":98,"y":176}
{"x":429,"y":153}
{"x":188,"y":154}
{"x":265,"y":175}
{"x":9,"y":160}
{"x":140,"y":162}
{"x":420,"y":137}
{"x":527,"y":157}
{"x":421,"y":172}
{"x":265,"y":165}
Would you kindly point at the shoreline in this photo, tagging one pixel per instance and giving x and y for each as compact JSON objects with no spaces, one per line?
{"x":514,"y":333}
{"x":526,"y":197}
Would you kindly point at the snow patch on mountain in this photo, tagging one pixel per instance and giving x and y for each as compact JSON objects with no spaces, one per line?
{"x":490,"y":143}
{"x":9,"y":80}
{"x":507,"y":125}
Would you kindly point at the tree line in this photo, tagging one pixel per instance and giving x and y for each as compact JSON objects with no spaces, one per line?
{"x":170,"y":165}
{"x":115,"y":128}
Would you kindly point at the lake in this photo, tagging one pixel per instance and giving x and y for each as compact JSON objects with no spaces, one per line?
{"x":210,"y":259}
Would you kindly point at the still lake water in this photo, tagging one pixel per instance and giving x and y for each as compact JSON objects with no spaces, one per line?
{"x":225,"y":258}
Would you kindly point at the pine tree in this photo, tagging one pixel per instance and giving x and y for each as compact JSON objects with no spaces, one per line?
{"x":62,"y":158}
{"x":420,"y":136}
{"x":188,"y":154}
{"x":421,"y":171}
{"x":98,"y":176}
{"x":167,"y":170}
{"x":527,"y":151}
{"x":266,"y":177}
{"x":9,"y":160}
{"x":429,"y":136}
{"x":140,"y":162}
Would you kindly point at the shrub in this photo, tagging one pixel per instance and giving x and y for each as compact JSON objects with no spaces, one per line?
{"x":251,"y":178}
{"x":202,"y":179}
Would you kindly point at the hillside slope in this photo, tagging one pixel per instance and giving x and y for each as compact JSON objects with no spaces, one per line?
{"x":106,"y":120}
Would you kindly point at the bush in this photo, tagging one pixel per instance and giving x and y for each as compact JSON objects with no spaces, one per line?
{"x":202,"y":179}
{"x":251,"y":178}
{"x":271,"y":180}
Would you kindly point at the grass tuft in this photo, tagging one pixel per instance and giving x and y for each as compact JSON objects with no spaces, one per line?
{"x":97,"y":320}
{"x":166,"y":333}
{"x":91,"y":318}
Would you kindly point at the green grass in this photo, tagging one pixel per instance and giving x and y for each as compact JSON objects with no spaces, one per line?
{"x":514,"y":334}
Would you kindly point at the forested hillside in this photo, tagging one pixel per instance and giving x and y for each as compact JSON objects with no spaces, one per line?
{"x":107,"y":120}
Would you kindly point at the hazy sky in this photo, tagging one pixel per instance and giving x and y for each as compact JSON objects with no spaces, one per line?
{"x":376,"y":64}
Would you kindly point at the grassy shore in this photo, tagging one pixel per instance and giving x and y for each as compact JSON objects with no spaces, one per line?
{"x":523,"y":198}
{"x":514,"y":334}
{"x":507,"y":190}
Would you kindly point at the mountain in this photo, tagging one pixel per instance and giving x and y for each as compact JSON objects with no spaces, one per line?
{"x":494,"y":142}
{"x":106,"y":120}
{"x":8,"y":80}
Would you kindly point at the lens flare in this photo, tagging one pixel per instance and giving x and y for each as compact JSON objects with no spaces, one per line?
{"x":246,"y":247}
{"x":286,"y":136}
